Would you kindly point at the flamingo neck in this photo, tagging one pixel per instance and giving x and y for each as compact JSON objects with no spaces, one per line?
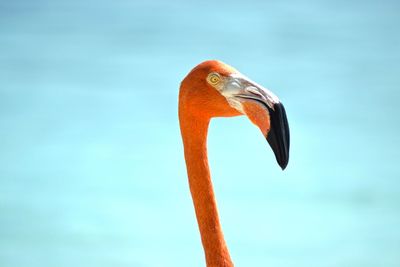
{"x":194,"y":134}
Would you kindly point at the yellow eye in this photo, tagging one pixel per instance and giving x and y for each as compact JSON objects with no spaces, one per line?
{"x":213,"y":78}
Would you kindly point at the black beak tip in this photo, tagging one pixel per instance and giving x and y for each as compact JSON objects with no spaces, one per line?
{"x":283,"y":164}
{"x":279,"y":136}
{"x":281,"y":154}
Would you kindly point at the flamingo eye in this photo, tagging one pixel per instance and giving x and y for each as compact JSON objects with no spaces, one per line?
{"x":214,"y":78}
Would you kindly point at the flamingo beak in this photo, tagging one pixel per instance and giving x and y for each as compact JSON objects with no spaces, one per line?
{"x":265,"y":110}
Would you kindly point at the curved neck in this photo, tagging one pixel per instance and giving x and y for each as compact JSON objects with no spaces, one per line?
{"x":194,"y":135}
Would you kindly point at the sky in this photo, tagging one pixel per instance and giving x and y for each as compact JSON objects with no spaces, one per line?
{"x":91,"y":160}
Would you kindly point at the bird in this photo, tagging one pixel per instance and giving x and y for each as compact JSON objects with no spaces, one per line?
{"x":215,"y":89}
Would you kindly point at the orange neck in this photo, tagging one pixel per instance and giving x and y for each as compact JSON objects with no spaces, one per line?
{"x":194,"y":135}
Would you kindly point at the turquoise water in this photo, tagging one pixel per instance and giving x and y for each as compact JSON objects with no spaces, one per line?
{"x":92,"y":170}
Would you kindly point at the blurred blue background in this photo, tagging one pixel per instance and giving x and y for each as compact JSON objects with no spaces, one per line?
{"x":91,"y":161}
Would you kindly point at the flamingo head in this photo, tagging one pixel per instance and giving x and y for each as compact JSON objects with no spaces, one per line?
{"x":215,"y":89}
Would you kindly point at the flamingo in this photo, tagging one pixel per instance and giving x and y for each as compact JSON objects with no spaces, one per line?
{"x":215,"y":89}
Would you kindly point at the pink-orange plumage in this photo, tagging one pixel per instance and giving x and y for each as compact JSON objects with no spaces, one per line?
{"x":214,"y":89}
